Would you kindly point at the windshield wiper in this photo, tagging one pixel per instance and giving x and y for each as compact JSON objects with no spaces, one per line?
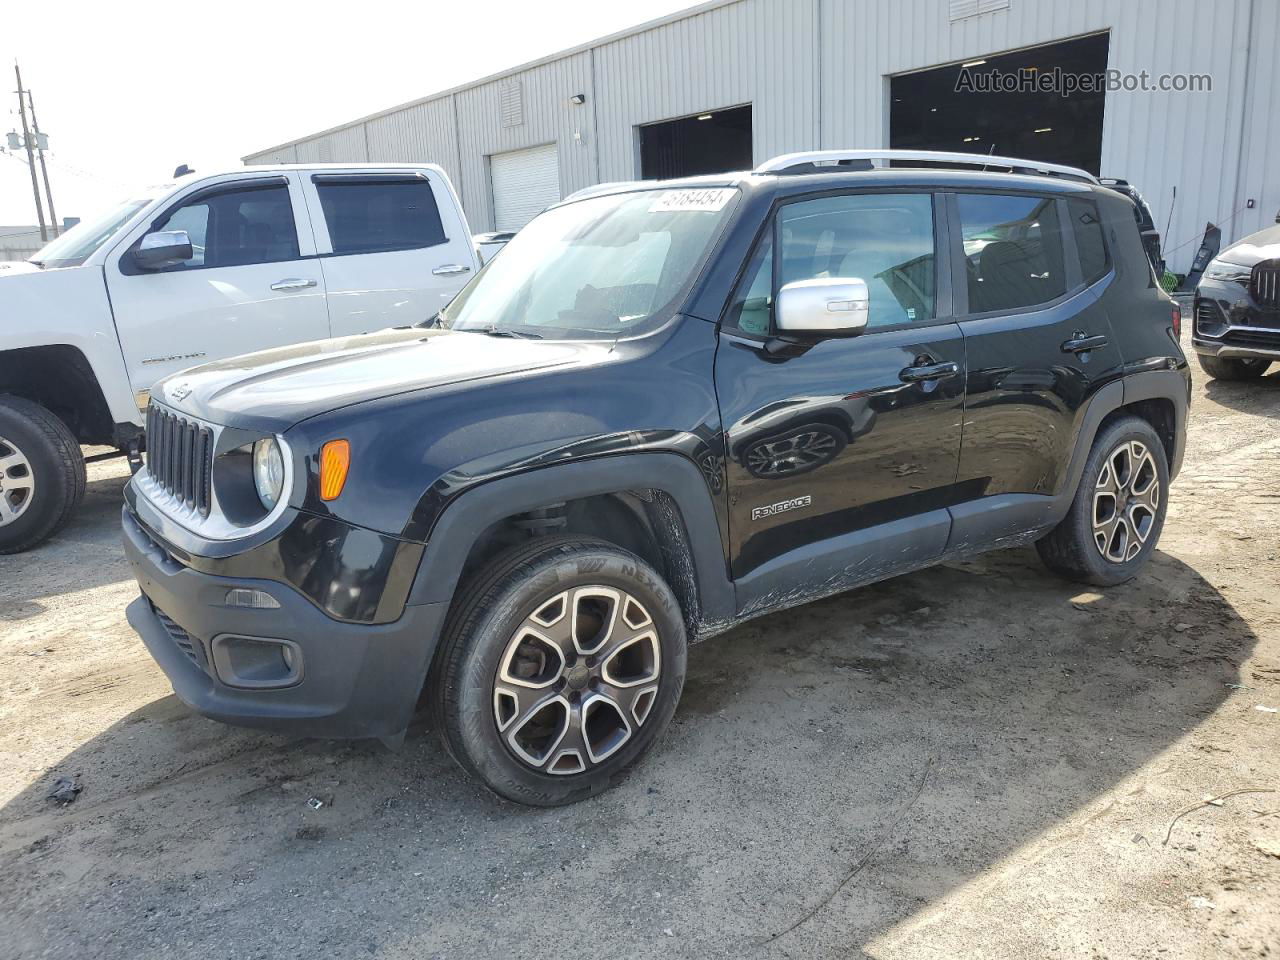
{"x":496,"y":331}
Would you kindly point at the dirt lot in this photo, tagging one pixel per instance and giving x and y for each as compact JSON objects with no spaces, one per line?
{"x":973,"y":761}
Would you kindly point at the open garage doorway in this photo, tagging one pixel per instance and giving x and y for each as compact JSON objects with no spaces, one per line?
{"x":717,"y":141}
{"x":927,"y":112}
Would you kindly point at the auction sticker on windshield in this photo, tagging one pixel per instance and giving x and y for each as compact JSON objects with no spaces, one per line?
{"x":678,"y":201}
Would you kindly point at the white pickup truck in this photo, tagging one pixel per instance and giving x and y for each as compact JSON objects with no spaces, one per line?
{"x":200,"y":269}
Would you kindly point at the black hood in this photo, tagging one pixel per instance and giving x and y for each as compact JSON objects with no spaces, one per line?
{"x":275,"y":389}
{"x":1263,"y":245}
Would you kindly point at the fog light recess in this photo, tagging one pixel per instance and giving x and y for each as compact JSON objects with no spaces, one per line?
{"x":256,"y":663}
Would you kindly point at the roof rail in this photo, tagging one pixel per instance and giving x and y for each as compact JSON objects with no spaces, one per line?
{"x":816,"y":161}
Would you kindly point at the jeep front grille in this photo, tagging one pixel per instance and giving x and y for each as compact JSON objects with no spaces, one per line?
{"x":180,"y":457}
{"x":1264,"y":284}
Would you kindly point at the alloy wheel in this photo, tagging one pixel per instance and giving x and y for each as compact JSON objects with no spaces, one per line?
{"x":17,"y":482}
{"x":1126,"y":500}
{"x":577,"y":679}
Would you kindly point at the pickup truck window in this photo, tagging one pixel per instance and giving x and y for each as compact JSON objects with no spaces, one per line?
{"x":380,"y":214}
{"x":237,"y":227}
{"x":78,"y":244}
{"x":599,"y":268}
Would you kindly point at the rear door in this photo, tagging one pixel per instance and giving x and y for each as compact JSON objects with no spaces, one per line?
{"x":843,"y":447}
{"x":1039,"y":344}
{"x":252,"y":283}
{"x":393,"y":246}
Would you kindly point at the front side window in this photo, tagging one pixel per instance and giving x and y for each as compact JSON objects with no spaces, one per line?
{"x":884,"y":239}
{"x":237,"y":227}
{"x":600,"y":268}
{"x":380,"y":215}
{"x":1013,"y":251}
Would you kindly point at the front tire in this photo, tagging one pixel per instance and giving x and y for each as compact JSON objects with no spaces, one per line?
{"x":1232,"y":368}
{"x":1118,"y":512}
{"x":560,"y":665}
{"x":42,"y":474}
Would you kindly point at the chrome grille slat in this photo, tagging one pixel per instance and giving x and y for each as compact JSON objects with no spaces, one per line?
{"x":1264,"y":284}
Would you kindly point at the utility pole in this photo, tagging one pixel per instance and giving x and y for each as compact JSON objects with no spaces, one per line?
{"x":44,"y":171}
{"x":31,"y":160}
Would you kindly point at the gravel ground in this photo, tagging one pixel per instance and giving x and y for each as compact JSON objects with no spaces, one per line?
{"x":978,"y":760}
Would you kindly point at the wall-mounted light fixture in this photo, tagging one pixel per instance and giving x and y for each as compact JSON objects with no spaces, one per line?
{"x":704,"y":116}
{"x":578,"y":98}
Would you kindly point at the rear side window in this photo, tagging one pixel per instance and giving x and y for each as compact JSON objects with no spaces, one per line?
{"x":237,"y":228}
{"x":374,"y":216}
{"x":1087,"y":226}
{"x":1013,"y":251}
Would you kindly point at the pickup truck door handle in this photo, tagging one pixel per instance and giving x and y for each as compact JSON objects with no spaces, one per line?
{"x":929,"y":371}
{"x":450,"y":270}
{"x":1080,"y":343}
{"x":292,"y":283}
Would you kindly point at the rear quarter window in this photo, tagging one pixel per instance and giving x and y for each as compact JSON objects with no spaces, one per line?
{"x":1086,"y":224}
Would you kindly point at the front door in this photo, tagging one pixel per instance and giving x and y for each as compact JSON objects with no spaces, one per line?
{"x":247,"y":286}
{"x":834,"y":445}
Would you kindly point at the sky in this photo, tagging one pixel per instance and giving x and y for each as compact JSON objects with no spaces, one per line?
{"x":127,"y":92}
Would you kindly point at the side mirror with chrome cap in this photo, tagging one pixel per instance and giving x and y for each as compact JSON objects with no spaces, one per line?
{"x":824,"y":306}
{"x":163,"y":248}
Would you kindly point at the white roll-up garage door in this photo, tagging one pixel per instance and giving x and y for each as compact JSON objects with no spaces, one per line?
{"x":525,"y":182}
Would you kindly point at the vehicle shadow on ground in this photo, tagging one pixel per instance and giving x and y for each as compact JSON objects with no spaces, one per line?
{"x":84,"y":554}
{"x":832,"y":771}
{"x":1248,"y":396}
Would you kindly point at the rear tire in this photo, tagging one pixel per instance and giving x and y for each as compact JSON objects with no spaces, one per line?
{"x":1231,"y":368}
{"x":1118,"y":512}
{"x":560,"y":665}
{"x":42,"y":474}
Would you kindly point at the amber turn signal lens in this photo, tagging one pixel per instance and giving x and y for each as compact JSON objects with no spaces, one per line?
{"x":335,"y":459}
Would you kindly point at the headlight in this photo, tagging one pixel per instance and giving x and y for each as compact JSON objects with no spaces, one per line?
{"x":268,"y":471}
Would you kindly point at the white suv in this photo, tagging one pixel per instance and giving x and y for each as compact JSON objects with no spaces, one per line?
{"x":200,"y":269}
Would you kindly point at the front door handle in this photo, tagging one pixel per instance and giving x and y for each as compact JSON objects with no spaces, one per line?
{"x":1080,"y":343}
{"x":929,"y":371}
{"x":450,"y":270}
{"x":292,"y":283}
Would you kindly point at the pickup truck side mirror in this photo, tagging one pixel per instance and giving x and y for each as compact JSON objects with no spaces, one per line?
{"x":830,"y":306}
{"x":163,"y":248}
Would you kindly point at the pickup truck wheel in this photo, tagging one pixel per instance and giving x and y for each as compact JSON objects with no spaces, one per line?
{"x":42,"y":474}
{"x":561,"y":664}
{"x":1229,"y":368}
{"x":1118,"y":512}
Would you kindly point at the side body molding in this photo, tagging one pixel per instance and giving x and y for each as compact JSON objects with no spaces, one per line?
{"x":463,"y":521}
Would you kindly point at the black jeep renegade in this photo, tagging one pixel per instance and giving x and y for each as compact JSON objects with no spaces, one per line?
{"x":665,"y":408}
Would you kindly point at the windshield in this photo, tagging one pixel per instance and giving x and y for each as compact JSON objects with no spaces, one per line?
{"x":76,"y":245}
{"x":602,"y":268}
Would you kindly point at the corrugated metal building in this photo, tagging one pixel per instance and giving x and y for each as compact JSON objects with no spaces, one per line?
{"x":815,"y":74}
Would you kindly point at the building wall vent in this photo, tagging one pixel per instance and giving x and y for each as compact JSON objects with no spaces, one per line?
{"x":964,"y":9}
{"x":511,"y":103}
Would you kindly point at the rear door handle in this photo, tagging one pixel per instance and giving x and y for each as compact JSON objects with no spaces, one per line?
{"x":292,"y":283}
{"x":450,"y":270}
{"x":929,"y":371}
{"x":1080,"y":343}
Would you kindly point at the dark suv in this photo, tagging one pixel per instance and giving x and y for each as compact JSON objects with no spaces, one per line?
{"x":665,"y":409}
{"x":1236,"y":334}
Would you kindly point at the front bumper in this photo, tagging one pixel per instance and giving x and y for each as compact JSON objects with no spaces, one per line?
{"x":346,"y":680}
{"x":1227,"y":322}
